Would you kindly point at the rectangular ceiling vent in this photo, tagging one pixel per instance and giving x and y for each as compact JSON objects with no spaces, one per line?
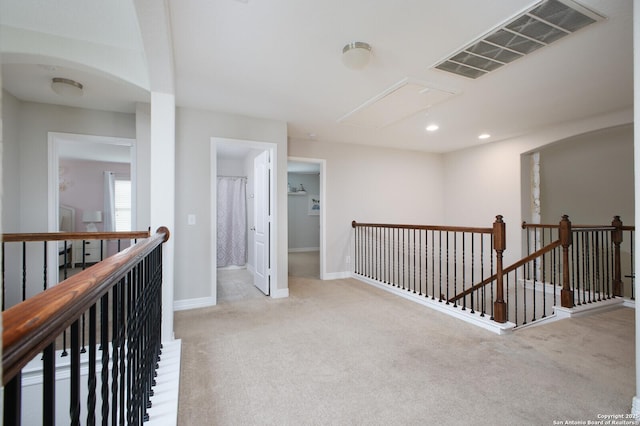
{"x":546,"y":22}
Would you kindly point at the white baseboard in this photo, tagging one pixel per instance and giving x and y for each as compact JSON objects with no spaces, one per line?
{"x":186,"y":304}
{"x":280,"y":293}
{"x":303,"y":249}
{"x":251,"y":268}
{"x":475,"y":319}
{"x":337,"y":275}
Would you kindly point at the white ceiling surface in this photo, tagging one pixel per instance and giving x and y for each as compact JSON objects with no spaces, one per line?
{"x":102,"y":32}
{"x":281,"y":60}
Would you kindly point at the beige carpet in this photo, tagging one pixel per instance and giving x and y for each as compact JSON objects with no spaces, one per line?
{"x":343,"y":353}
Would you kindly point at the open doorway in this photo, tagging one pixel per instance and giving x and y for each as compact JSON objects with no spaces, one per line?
{"x":305,"y":182}
{"x":243,"y":193}
{"x":91,"y":188}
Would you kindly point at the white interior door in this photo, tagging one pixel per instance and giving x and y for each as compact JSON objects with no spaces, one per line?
{"x":262,"y":214}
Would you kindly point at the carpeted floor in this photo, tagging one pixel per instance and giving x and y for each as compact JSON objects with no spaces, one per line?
{"x":344,"y":353}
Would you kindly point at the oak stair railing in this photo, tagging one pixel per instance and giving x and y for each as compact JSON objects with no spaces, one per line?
{"x":463,"y":267}
{"x":116,"y":304}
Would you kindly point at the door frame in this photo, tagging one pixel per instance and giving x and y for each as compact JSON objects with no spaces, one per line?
{"x":323,"y":206}
{"x":55,"y":141}
{"x":273,"y":197}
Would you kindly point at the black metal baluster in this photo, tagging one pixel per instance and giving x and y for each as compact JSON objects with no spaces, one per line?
{"x":49,"y":385}
{"x":515,"y":298}
{"x":404,"y":275}
{"x":420,"y":264}
{"x":115,"y":331}
{"x":44,"y":272}
{"x":455,"y":268}
{"x":447,"y":265}
{"x":91,"y":380}
{"x":473,"y":265}
{"x":24,"y":271}
{"x":414,"y":261}
{"x":104,"y":342}
{"x":12,"y":415}
{"x":123,"y":365}
{"x":74,"y":396}
{"x":440,"y":266}
{"x":4,"y":296}
{"x":132,"y":343}
{"x":483,"y":300}
{"x":433,"y":268}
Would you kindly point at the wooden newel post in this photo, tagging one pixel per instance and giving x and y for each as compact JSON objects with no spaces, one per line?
{"x":499,"y":244}
{"x":616,"y":237}
{"x":566,"y":239}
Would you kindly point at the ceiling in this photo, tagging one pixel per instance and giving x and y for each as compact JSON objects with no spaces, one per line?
{"x":281,"y":60}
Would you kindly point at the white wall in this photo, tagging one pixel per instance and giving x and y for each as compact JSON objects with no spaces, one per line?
{"x":304,"y":229}
{"x":194,"y":130}
{"x":373,"y":185}
{"x":484,"y":181}
{"x":34,"y":122}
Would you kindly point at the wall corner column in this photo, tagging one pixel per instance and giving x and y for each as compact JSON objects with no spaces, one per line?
{"x":162,"y":194}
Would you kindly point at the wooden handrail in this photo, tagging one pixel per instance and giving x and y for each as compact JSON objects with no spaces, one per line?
{"x":507,"y":270}
{"x":526,"y":225}
{"x":61,"y":236}
{"x":425,"y":227}
{"x":29,"y":325}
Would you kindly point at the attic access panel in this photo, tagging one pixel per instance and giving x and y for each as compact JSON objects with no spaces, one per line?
{"x":400,"y":101}
{"x":544,"y":23}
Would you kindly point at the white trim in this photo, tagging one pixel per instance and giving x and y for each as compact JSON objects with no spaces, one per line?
{"x":588,"y":308}
{"x":323,"y":209}
{"x":467,"y":316}
{"x":338,"y":275}
{"x":303,"y":249}
{"x":279,"y":293}
{"x":197,"y":303}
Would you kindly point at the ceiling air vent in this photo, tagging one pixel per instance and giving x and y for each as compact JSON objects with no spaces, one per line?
{"x":539,"y":26}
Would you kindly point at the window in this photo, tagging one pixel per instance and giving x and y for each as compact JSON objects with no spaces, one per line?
{"x":122,"y":192}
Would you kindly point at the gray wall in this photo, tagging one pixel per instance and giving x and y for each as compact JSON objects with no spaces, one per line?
{"x":589,"y":177}
{"x":304,"y":229}
{"x":487,"y":180}
{"x":374,"y":185}
{"x":194,"y":130}
{"x":10,"y":163}
{"x":34,"y":121}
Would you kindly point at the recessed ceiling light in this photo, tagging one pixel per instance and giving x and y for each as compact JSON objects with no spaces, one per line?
{"x":484,"y":136}
{"x":432,"y":127}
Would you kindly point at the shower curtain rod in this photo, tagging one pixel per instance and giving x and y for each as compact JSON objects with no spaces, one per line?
{"x":238,"y":177}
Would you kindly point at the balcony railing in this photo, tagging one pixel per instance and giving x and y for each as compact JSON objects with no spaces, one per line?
{"x":462,"y":267}
{"x":114,"y":304}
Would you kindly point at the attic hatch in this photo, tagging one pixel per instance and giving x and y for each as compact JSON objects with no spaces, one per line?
{"x":544,"y":23}
{"x":400,"y":101}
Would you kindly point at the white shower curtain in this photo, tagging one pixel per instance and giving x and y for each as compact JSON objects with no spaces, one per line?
{"x":232,"y":221}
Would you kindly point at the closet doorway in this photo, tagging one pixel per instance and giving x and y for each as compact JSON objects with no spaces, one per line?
{"x":306,"y":213}
{"x":242,"y":200}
